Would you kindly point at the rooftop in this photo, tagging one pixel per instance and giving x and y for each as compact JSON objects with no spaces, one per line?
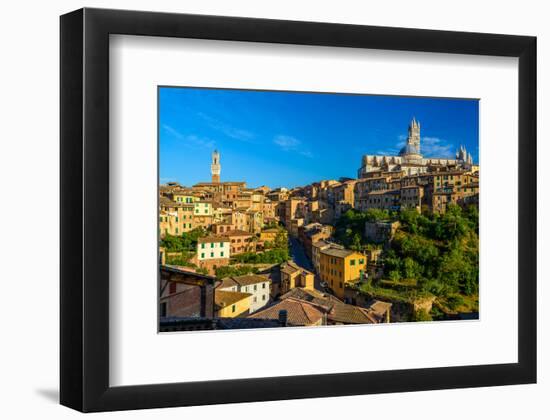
{"x":236,"y":232}
{"x":299,"y":313}
{"x":224,"y":298}
{"x":210,"y":239}
{"x":249,"y":279}
{"x":291,"y":267}
{"x":340,"y":253}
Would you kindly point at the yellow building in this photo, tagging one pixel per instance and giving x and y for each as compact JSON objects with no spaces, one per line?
{"x":292,"y":275}
{"x":175,"y":218}
{"x":341,"y":266}
{"x":203,"y":208}
{"x":231,"y":304}
{"x":186,"y":197}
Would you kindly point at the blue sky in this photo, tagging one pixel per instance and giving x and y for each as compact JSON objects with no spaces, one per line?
{"x":291,"y":139}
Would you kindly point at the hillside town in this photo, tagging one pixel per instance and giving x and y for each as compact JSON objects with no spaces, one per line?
{"x":398,"y":243}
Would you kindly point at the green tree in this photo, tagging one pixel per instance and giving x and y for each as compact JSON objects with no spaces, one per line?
{"x":421,"y":315}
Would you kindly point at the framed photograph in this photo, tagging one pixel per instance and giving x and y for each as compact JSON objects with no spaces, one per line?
{"x":258,"y":210}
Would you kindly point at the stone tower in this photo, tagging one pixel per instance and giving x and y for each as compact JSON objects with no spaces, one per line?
{"x":414,"y":133}
{"x":215,"y":167}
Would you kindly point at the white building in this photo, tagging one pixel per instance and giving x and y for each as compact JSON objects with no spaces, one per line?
{"x":257,"y":286}
{"x":213,"y":247}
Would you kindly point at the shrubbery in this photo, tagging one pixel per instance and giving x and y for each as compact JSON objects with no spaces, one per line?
{"x":231,"y":270}
{"x":440,"y":252}
{"x":187,"y":241}
{"x":271,"y":256}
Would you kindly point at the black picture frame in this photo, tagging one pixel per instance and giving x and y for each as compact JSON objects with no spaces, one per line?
{"x":84,"y":127}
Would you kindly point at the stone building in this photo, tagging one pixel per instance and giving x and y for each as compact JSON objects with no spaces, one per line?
{"x":410,"y":160}
{"x":185,"y":293}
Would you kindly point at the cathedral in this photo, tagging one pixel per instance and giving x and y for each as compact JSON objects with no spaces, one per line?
{"x":410,"y":159}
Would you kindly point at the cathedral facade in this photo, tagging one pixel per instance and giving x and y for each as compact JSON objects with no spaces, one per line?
{"x":410,"y":159}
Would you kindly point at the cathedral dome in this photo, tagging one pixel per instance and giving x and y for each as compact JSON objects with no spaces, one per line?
{"x":409,"y":149}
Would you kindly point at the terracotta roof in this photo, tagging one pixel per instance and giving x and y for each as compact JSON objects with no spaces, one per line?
{"x":350,"y":314}
{"x":290,"y":267}
{"x":209,"y":239}
{"x":224,"y":298}
{"x":226,"y":283}
{"x":341,"y":253}
{"x":338,"y":311}
{"x":249,"y":279}
{"x":299,"y":313}
{"x":165,"y":201}
{"x":323,"y":300}
{"x":236,"y":232}
{"x":319,"y":244}
{"x":380,"y":308}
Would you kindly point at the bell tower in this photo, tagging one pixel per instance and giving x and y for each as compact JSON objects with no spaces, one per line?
{"x":414,"y":133}
{"x":215,"y":167}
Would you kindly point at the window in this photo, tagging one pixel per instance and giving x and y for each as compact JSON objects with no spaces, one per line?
{"x":203,"y":245}
{"x":212,"y":255}
{"x":351,"y":262}
{"x":177,"y":219}
{"x":361,"y":261}
{"x":233,"y":308}
{"x":163,"y":309}
{"x":255,"y":299}
{"x":202,"y":254}
{"x":172,"y":287}
{"x":341,"y":285}
{"x":177,"y":231}
{"x":255,"y":287}
{"x":221,"y":254}
{"x":212,"y":245}
{"x":263,"y":285}
{"x":263,"y":297}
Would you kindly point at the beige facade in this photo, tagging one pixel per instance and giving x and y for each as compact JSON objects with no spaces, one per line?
{"x":292,"y":275}
{"x":175,"y":218}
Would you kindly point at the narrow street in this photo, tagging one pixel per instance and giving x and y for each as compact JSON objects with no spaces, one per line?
{"x":299,"y":256}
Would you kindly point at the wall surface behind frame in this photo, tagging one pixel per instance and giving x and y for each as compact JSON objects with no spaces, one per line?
{"x":29,"y":222}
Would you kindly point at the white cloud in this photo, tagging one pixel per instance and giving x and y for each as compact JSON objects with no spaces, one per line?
{"x":429,"y":146}
{"x":286,"y":142}
{"x":191,"y":140}
{"x":227,"y":129}
{"x":436,"y":147}
{"x":292,"y":144}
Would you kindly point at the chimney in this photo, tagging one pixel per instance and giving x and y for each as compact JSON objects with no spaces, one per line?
{"x":283,"y":317}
